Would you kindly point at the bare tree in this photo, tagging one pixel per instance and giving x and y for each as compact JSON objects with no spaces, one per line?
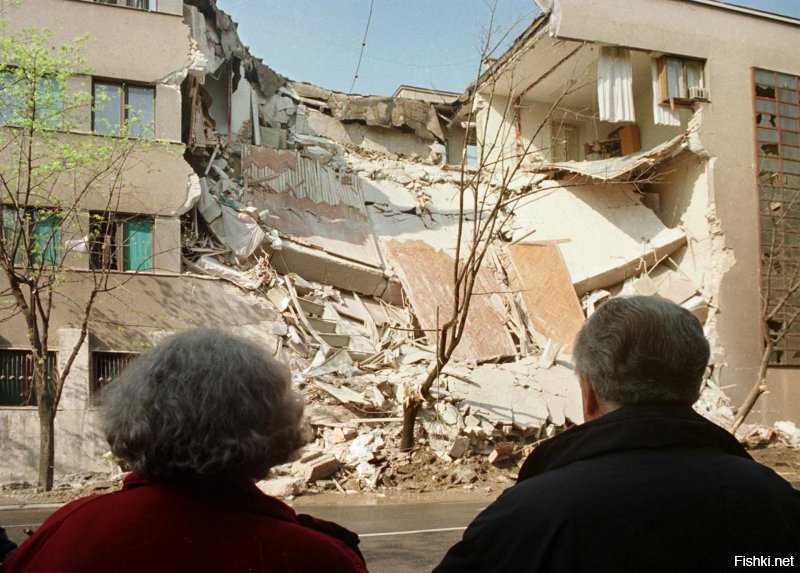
{"x":49,"y":175}
{"x":484,"y":189}
{"x":779,"y":304}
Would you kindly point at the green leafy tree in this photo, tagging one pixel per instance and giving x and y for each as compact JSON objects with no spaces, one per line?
{"x":49,"y":174}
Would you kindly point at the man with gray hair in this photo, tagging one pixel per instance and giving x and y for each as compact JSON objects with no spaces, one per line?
{"x":645,"y":484}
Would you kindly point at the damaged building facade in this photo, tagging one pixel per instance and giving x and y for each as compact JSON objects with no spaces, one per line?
{"x":678,"y":155}
{"x":325,"y":225}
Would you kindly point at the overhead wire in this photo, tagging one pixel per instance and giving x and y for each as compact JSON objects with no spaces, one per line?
{"x":363,"y":45}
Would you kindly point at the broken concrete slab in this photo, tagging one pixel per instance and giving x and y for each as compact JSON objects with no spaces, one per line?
{"x":284,"y":486}
{"x":321,"y":467}
{"x":209,"y":266}
{"x":604,"y":232}
{"x":519,"y":394}
{"x":342,"y":394}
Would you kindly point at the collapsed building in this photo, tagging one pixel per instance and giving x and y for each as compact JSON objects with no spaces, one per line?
{"x":325,"y":225}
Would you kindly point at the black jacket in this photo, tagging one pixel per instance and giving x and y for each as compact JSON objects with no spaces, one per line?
{"x":644,"y":488}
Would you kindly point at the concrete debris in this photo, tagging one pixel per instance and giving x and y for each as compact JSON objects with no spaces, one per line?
{"x":319,"y":466}
{"x":503,"y":451}
{"x":788,"y":433}
{"x":604,"y":233}
{"x":285,"y":486}
{"x":343,"y":394}
{"x":335,"y":211}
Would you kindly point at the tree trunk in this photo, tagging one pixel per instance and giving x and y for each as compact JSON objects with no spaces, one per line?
{"x":410,"y":412}
{"x":758,"y":388}
{"x":47,"y":450}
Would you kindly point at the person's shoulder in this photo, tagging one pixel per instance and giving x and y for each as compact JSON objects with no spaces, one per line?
{"x":761,"y":478}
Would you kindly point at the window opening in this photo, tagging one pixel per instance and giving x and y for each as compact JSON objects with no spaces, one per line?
{"x":776,"y":118}
{"x":121,"y":243}
{"x":16,"y":377}
{"x":42,"y":229}
{"x":120,"y":105}
{"x":107,"y":367}
{"x":681,"y":80}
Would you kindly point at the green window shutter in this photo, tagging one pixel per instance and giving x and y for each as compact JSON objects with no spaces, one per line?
{"x":139,"y":244}
{"x":47,"y":240}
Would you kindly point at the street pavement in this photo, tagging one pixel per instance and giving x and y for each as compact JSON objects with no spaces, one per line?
{"x":395,"y":538}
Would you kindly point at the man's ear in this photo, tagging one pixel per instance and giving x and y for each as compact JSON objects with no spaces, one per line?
{"x":591,"y":405}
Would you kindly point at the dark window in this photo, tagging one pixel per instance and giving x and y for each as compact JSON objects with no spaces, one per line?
{"x":123,"y":108}
{"x":108,"y":366}
{"x":140,"y":4}
{"x":776,"y":111}
{"x":16,"y":377}
{"x":121,"y":243}
{"x":40,"y":228}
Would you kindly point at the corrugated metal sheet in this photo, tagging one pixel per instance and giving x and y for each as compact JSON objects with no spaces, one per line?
{"x":289,"y":172}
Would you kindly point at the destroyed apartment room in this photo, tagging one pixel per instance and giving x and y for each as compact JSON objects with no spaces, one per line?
{"x":433,"y":252}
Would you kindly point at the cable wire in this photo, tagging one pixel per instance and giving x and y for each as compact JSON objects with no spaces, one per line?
{"x":363,"y":45}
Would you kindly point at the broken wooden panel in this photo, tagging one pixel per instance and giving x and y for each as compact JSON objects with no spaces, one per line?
{"x":538,"y":272}
{"x":427,"y":275}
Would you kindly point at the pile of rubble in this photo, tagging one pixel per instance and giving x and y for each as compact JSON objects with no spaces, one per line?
{"x":336,"y":211}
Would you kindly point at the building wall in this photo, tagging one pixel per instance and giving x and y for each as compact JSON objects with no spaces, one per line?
{"x":120,"y":42}
{"x":128,"y":45}
{"x":118,"y":46}
{"x":737,"y":44}
{"x":129,"y":319}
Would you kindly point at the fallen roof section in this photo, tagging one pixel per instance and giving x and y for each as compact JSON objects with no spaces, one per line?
{"x":625,"y":168}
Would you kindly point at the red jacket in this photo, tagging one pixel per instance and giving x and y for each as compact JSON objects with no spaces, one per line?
{"x":152,"y":528}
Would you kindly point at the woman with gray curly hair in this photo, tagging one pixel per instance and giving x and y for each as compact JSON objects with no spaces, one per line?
{"x":200,"y":418}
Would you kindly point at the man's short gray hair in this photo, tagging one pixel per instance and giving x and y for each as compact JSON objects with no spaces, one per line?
{"x":641,"y":349}
{"x":203,"y":405}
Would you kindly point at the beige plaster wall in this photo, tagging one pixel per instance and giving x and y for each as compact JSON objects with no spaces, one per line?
{"x":738,"y":43}
{"x":153,"y":178}
{"x":495,"y":128}
{"x":129,"y":319}
{"x":143,"y":303}
{"x":122,"y":43}
{"x":167,"y":245}
{"x":79,"y":444}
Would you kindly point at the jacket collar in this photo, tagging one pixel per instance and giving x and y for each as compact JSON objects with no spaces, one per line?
{"x":650,"y":426}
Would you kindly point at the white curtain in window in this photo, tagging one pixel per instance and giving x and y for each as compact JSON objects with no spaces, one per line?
{"x":615,"y":85}
{"x":662,"y":114}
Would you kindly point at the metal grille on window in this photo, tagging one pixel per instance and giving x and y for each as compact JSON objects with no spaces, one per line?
{"x":777,"y":119}
{"x":108,"y":366}
{"x":16,"y":377}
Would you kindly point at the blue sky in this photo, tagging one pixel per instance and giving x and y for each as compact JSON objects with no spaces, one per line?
{"x":430,"y":43}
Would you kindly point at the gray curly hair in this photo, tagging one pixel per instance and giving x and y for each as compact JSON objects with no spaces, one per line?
{"x":642,"y":349}
{"x":203,"y":405}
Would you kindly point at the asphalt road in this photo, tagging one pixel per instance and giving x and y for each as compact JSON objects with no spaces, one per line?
{"x":395,"y":538}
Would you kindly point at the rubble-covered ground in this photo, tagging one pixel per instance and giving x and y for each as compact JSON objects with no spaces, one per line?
{"x":420,"y":474}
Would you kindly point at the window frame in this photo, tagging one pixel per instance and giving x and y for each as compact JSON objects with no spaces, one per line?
{"x":114,"y":241}
{"x":124,"y":107}
{"x":776,"y":133}
{"x":663,"y":79}
{"x":29,"y":400}
{"x":30,"y":224}
{"x":55,"y":122}
{"x":97,"y":383}
{"x":127,"y":4}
